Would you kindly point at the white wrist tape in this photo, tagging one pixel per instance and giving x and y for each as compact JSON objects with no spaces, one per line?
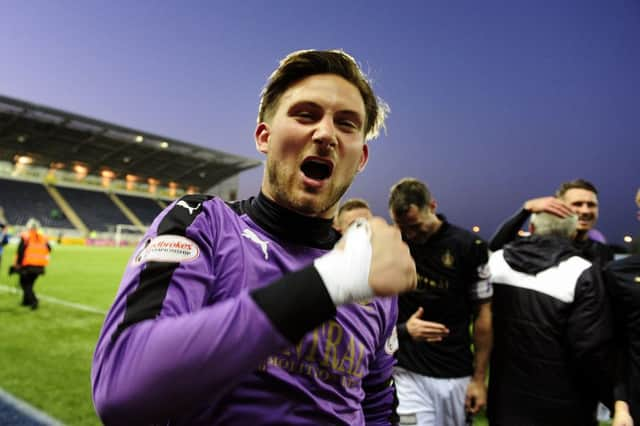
{"x":346,"y":272}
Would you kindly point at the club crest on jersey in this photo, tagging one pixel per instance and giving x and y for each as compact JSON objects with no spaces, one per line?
{"x":169,"y":249}
{"x":251,"y":236}
{"x":447,"y":259}
{"x":183,"y":203}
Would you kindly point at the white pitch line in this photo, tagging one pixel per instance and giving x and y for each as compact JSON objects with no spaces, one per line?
{"x":57,"y":301}
{"x":28,"y":410}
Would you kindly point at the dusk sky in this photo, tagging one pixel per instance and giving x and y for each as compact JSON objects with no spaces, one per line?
{"x":491,"y":102}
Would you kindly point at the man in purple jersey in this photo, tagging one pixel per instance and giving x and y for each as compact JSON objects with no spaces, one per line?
{"x":257,"y":312}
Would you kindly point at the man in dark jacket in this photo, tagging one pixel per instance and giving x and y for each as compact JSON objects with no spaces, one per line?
{"x":622,"y":278}
{"x":552,"y":330}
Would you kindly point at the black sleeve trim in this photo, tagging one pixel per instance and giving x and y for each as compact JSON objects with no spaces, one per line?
{"x":296,"y":303}
{"x":508,"y":231}
{"x":145,"y":302}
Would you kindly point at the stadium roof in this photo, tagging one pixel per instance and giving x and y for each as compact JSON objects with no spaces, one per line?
{"x":55,"y":138}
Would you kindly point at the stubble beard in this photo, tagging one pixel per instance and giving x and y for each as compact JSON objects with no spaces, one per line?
{"x":284,"y":187}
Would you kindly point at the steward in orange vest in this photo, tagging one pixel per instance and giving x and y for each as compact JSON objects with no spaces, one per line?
{"x":31,"y":259}
{"x":33,"y":249}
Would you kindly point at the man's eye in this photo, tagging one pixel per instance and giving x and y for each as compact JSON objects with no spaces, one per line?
{"x":348,"y":123}
{"x":303,"y":114}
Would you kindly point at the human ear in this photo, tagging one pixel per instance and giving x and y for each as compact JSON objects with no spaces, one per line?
{"x":261,"y":136}
{"x":364,"y":158}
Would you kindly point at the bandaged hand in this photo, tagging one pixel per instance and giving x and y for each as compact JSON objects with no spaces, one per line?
{"x":370,"y":260}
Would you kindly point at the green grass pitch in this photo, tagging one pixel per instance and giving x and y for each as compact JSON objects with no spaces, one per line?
{"x":46,"y":354}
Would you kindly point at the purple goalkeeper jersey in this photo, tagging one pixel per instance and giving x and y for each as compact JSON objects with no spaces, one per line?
{"x":221,"y":318}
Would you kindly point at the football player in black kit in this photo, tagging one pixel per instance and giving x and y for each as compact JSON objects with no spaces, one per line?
{"x":439,"y":380}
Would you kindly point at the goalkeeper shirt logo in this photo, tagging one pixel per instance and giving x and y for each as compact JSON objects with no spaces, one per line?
{"x":186,"y":205}
{"x":250,"y":235}
{"x":169,"y":249}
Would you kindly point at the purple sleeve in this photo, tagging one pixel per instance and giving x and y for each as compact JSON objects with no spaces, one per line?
{"x":379,"y":400}
{"x":186,"y":351}
{"x":180,"y":348}
{"x":158,"y":366}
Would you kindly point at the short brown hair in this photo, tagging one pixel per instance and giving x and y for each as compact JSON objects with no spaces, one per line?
{"x":575,"y":184}
{"x":408,"y":191}
{"x":304,"y":63}
{"x":352,"y":204}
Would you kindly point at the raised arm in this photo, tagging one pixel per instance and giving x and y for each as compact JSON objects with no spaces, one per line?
{"x":508,"y":231}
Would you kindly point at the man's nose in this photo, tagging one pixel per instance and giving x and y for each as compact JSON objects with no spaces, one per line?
{"x":325,"y":132}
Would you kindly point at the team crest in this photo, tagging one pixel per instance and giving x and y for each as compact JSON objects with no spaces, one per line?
{"x":447,"y":259}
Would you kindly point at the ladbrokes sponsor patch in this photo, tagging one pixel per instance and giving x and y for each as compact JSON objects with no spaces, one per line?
{"x":167,"y":248}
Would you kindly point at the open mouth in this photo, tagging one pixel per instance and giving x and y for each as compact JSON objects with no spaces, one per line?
{"x":316,"y":169}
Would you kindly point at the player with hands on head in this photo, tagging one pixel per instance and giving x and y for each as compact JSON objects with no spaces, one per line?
{"x":579,"y":197}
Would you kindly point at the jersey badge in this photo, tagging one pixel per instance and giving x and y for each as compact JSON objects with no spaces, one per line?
{"x":447,"y":259}
{"x":168,"y":249}
{"x":251,"y":236}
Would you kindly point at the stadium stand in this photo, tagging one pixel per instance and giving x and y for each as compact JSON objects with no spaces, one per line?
{"x":40,"y":136}
{"x":145,"y":209}
{"x":95,"y":208}
{"x":81,"y":176}
{"x":22,"y":200}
